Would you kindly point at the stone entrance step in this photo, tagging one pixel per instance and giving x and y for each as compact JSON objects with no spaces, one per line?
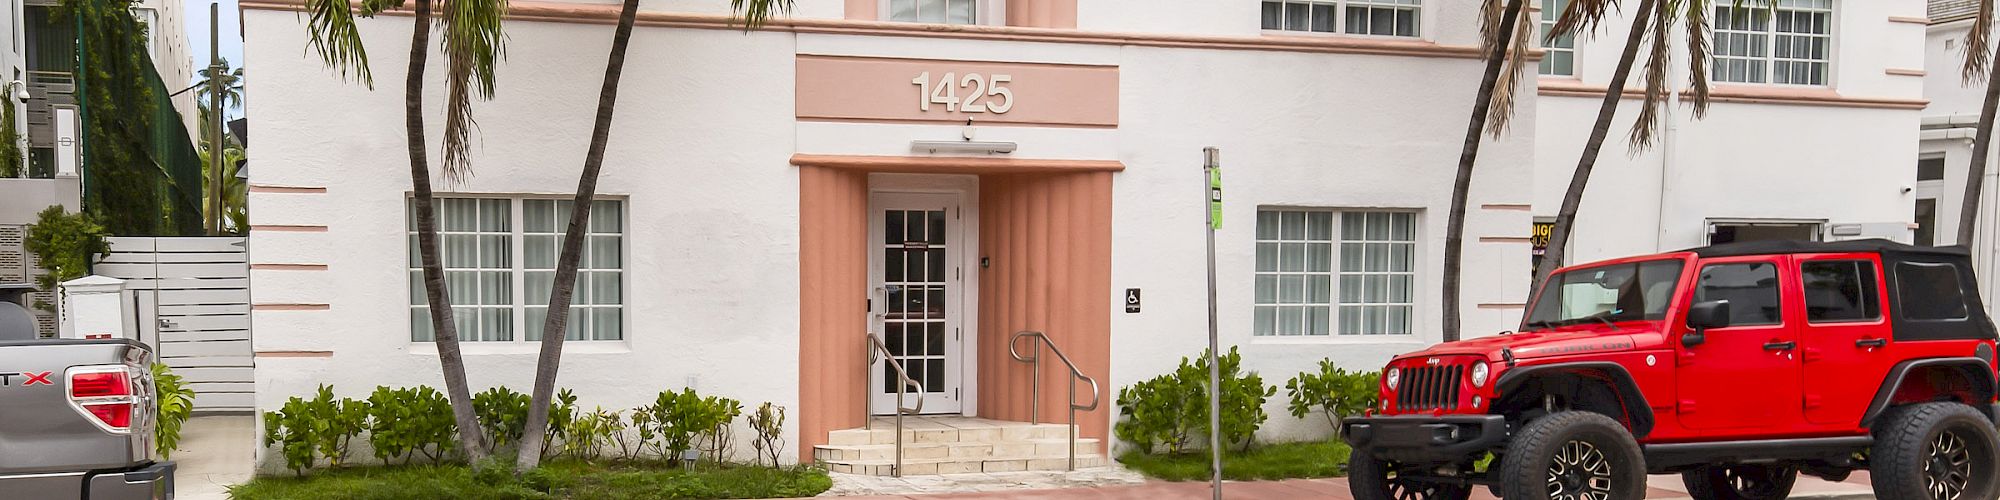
{"x":954,"y":445}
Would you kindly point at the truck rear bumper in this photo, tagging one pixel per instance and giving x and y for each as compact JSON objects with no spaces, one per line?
{"x":1423,"y":438}
{"x":155,"y":481}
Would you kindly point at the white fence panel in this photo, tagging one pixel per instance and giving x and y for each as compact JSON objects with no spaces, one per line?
{"x":200,"y":289}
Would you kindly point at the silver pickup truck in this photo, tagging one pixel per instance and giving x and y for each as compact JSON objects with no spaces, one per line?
{"x":76,"y":417}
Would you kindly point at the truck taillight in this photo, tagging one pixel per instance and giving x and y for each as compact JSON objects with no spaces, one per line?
{"x":104,"y":393}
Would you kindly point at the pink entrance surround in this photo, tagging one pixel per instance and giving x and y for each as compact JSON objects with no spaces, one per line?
{"x":1045,"y":228}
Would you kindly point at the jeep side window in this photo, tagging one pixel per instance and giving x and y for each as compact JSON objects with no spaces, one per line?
{"x":1929,"y":291}
{"x":1751,"y":289}
{"x":1840,"y":290}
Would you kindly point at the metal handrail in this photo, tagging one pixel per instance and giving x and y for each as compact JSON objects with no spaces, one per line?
{"x":1035,"y":404}
{"x":904,"y":384}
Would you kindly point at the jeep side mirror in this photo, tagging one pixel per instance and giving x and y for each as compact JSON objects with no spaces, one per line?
{"x":1703,"y":316}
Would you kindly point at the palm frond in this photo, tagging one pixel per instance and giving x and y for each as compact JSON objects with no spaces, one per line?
{"x":755,"y":12}
{"x":1659,"y":57}
{"x":1489,"y":21}
{"x":473,"y":41}
{"x":1500,"y":110}
{"x":334,"y":36}
{"x":1582,"y":16}
{"x":1978,"y":54}
{"x":1699,"y":54}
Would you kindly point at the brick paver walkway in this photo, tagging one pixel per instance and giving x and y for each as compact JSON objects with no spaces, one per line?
{"x":1659,"y":488}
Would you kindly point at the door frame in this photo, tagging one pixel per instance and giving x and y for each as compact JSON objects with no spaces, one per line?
{"x":964,"y":189}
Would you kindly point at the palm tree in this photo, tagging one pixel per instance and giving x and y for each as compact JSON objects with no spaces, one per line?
{"x":472,"y":41}
{"x":1978,"y":62}
{"x":1653,"y":23}
{"x":1502,"y":32}
{"x":231,"y":82}
{"x":754,"y":13}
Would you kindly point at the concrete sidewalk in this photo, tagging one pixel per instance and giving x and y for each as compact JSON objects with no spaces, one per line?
{"x":1658,"y":488}
{"x":215,"y":452}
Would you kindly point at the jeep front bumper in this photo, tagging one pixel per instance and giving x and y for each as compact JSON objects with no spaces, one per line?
{"x":1424,"y":438}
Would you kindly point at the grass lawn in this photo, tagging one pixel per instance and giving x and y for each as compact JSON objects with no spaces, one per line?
{"x":560,"y":480}
{"x":1270,"y":461}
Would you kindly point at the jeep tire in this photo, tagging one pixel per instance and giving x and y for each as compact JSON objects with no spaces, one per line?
{"x":1573,"y":455}
{"x":1740,"y":482}
{"x":1368,"y":478}
{"x":1934,"y":451}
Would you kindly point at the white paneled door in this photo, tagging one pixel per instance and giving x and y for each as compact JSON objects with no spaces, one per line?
{"x":916,"y":301}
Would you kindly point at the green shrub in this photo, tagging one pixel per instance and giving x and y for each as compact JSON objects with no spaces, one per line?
{"x":503,"y":416}
{"x":1334,"y":392}
{"x":411,"y":421}
{"x":335,"y":423}
{"x":562,"y":412}
{"x":769,"y":424}
{"x":176,"y":405}
{"x":1171,"y":410}
{"x":293,"y":429}
{"x":64,"y":244}
{"x":680,"y":419}
{"x":588,"y":433}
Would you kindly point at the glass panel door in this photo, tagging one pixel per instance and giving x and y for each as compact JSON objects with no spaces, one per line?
{"x":914,"y":267}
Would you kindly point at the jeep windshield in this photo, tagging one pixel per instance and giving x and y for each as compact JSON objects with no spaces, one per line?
{"x":1607,"y":294}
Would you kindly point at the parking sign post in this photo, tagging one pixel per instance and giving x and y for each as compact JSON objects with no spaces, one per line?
{"x":1211,"y":169}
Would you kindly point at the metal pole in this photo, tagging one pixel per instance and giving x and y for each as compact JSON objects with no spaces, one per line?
{"x":215,"y":146}
{"x":1072,"y":423}
{"x":1212,"y":197}
{"x":1035,"y":391}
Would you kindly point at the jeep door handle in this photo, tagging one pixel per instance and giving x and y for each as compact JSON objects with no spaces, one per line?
{"x":1780,"y":346}
{"x":1871,"y":343}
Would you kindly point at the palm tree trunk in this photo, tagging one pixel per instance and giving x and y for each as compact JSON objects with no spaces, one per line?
{"x":1454,"y":234}
{"x":1975,"y":177}
{"x":1573,"y":198}
{"x":556,"y":326}
{"x":434,"y":290}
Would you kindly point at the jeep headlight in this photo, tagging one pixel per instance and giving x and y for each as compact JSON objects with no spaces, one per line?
{"x":1395,"y":375}
{"x":1479,"y":373}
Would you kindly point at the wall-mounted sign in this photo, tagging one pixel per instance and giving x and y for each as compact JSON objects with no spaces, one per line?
{"x":1131,"y":300}
{"x":878,"y":89}
{"x":1539,"y":236}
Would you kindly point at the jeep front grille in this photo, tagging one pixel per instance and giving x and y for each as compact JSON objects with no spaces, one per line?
{"x":1429,"y":388}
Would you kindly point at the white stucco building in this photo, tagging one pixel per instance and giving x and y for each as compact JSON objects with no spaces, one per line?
{"x":1949,"y":124}
{"x":771,"y":198}
{"x":1808,"y":135}
{"x":751,"y":178}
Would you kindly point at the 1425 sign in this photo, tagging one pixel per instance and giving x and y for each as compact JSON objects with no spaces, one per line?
{"x":983,"y":93}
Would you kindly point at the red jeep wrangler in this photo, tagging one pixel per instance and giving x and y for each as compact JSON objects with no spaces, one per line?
{"x":1738,"y":366}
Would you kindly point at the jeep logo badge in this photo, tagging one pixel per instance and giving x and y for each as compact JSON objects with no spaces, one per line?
{"x":1433,"y":361}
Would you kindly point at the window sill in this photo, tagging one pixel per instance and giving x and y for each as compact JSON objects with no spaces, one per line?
{"x":1271,"y":33}
{"x":519,"y":348}
{"x":1339,"y":340}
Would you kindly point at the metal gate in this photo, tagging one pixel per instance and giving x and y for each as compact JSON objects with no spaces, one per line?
{"x":193,"y":296}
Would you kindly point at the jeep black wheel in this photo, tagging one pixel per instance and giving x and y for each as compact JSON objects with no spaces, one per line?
{"x":1935,"y":451}
{"x":1573,"y":455}
{"x":1371,"y":479}
{"x":1740,"y":482}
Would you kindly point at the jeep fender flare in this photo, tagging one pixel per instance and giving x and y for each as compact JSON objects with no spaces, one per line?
{"x":1634,"y":401}
{"x":1975,"y":369}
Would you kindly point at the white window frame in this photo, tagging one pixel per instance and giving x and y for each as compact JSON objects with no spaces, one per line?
{"x":984,"y":13}
{"x":1770,"y":33}
{"x":517,"y":271}
{"x":1417,"y":307}
{"x":1551,"y":10}
{"x":1422,"y":9}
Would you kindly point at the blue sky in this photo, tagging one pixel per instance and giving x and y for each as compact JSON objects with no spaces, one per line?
{"x":232,"y":39}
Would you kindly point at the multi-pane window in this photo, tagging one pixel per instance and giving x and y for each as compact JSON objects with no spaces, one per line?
{"x":1560,"y":54}
{"x":1323,"y":272}
{"x":934,"y":11}
{"x":499,"y":272}
{"x":1354,"y":17}
{"x":1789,"y":44}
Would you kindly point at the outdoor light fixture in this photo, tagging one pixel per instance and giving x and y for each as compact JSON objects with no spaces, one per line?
{"x":988,"y":147}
